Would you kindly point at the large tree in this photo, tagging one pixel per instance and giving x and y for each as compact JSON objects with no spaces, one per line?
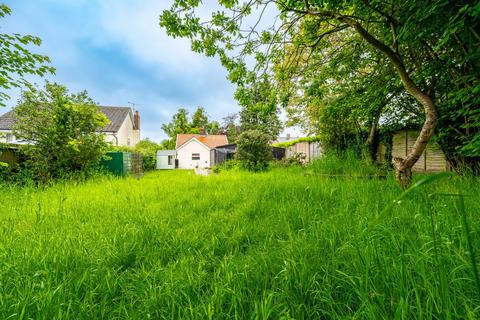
{"x":181,"y":123}
{"x":231,"y":127}
{"x":199,"y":120}
{"x":413,"y":36}
{"x":61,"y":129}
{"x":17,"y":61}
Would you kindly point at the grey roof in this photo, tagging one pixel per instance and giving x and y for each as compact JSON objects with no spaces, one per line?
{"x":116,"y":115}
{"x":7,"y":120}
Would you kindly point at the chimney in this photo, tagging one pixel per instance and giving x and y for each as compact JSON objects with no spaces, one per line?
{"x":136,"y":120}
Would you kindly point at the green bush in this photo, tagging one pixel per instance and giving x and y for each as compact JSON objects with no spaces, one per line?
{"x":253,"y":150}
{"x":148,"y":149}
{"x":226,"y":166}
{"x":62,"y":128}
{"x":296,"y":160}
{"x":290,"y":143}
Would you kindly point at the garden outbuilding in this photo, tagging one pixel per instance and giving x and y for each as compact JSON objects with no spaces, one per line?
{"x":166,"y":159}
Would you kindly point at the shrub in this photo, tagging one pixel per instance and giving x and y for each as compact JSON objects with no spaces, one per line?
{"x":253,"y":150}
{"x":61,"y":128}
{"x":148,"y":149}
{"x":226,"y":166}
{"x":297,"y":159}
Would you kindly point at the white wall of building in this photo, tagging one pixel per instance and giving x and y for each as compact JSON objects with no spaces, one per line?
{"x":185,"y":152}
{"x":126,"y":135}
{"x":7,"y":136}
{"x":166,"y":159}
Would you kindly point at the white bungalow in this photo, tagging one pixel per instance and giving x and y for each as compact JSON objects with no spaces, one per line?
{"x":193,"y":150}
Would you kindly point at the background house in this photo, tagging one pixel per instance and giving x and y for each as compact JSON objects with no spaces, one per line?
{"x":123,"y":129}
{"x":193,"y":150}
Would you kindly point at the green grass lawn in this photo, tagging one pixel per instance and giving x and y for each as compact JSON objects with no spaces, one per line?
{"x":286,"y":244}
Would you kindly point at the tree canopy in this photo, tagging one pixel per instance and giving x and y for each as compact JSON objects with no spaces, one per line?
{"x":61,"y":129}
{"x":17,"y":61}
{"x":181,"y":123}
{"x":407,"y":61}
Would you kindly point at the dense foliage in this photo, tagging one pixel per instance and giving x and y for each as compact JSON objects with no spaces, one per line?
{"x":259,"y":108}
{"x":17,"y":61}
{"x":61,"y":131}
{"x":253,"y":150}
{"x":231,"y":127}
{"x":344,"y":69}
{"x":290,"y":143}
{"x":148,"y":149}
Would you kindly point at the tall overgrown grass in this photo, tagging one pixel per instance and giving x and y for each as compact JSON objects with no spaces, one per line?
{"x":290,"y":243}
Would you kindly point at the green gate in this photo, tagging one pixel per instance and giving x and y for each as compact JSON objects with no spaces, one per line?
{"x":118,"y":163}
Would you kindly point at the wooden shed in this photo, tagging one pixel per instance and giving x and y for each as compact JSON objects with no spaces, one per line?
{"x":432,"y":159}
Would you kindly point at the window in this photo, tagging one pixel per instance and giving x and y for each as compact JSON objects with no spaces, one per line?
{"x":10,"y":138}
{"x":128,"y":141}
{"x":170,"y":160}
{"x":195,"y":156}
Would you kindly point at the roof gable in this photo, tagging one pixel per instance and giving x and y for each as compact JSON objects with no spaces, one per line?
{"x":209,"y":140}
{"x":194,"y":140}
{"x":116,"y":116}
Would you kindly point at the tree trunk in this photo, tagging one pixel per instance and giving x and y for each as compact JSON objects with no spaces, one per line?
{"x":403,"y":167}
{"x":373,"y":138}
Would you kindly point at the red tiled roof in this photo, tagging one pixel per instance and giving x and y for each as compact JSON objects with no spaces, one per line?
{"x":210,"y":140}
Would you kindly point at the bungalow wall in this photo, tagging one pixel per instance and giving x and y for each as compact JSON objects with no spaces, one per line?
{"x":432,"y":159}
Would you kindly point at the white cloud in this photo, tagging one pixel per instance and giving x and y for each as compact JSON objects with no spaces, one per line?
{"x":135,"y":24}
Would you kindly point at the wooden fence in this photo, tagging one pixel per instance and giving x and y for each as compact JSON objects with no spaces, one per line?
{"x":432,"y":159}
{"x":307,"y":150}
{"x":10,"y":156}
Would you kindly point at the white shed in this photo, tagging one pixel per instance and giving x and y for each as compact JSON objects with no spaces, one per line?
{"x":166,"y":159}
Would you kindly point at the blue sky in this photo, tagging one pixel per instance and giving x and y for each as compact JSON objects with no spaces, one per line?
{"x":116,"y":51}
